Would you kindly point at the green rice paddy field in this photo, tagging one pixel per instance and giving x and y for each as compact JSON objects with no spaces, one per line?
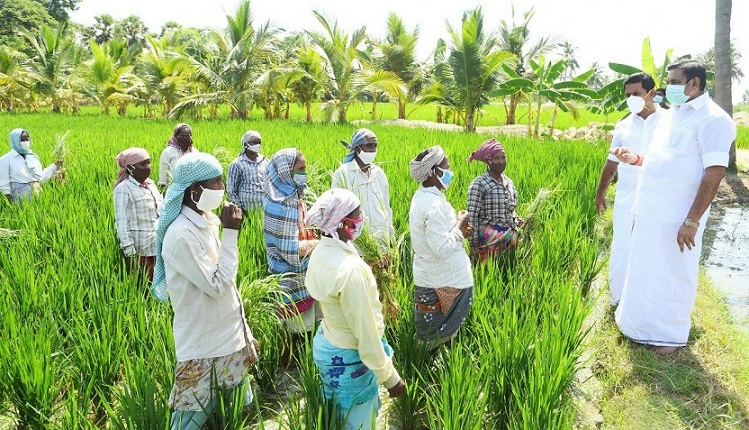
{"x":82,"y":345}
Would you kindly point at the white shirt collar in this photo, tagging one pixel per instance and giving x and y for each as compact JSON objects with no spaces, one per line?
{"x":432,"y":190}
{"x":260,"y":158}
{"x":698,"y":102}
{"x":200,"y":221}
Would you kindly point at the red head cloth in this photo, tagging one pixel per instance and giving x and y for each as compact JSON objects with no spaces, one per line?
{"x":128,"y":157}
{"x":486,"y":151}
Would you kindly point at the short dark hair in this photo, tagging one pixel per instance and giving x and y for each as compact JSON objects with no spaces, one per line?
{"x":663,"y":90}
{"x":647,"y":81}
{"x":692,"y":69}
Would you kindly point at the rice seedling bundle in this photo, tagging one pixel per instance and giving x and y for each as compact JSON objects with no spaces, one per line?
{"x":82,"y":343}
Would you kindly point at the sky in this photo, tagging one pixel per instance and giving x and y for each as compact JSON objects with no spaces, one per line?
{"x":601,"y":30}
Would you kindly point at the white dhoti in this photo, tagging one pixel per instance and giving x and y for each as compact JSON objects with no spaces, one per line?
{"x":623,"y":219}
{"x":661,"y":285}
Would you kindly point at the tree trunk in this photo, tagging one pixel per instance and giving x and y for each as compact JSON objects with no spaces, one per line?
{"x":470,"y":127}
{"x":374,"y":108}
{"x":514,"y":100}
{"x":401,"y":109}
{"x":439,"y":114}
{"x":723,"y":96}
{"x":309,"y":111}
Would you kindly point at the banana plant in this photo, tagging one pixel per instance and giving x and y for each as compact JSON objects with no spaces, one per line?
{"x":542,"y":85}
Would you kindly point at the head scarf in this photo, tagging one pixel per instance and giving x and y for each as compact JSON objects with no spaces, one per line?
{"x":173,"y":140}
{"x":361,"y":136}
{"x":250,"y":137}
{"x":191,"y":168}
{"x":422,"y":169}
{"x":330,"y":209}
{"x":486,"y":151}
{"x":15,"y":143}
{"x":126,"y":158}
{"x":280,"y":185}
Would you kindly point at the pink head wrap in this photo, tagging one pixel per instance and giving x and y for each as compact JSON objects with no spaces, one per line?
{"x":486,"y":151}
{"x":330,"y":209}
{"x":128,"y":157}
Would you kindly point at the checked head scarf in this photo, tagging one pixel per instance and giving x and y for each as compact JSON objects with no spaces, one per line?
{"x":191,"y":168}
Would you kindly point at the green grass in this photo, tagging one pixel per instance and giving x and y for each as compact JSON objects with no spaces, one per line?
{"x":704,"y":386}
{"x":742,"y":137}
{"x":95,"y":342}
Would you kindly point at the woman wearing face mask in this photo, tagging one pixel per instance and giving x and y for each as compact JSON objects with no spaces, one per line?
{"x":441,"y":267}
{"x":21,"y":171}
{"x":137,"y":202}
{"x":492,"y":199}
{"x":178,"y":145}
{"x":287,"y":242}
{"x":213,"y":342}
{"x":247,"y":174}
{"x":360,"y":175}
{"x":350,"y":351}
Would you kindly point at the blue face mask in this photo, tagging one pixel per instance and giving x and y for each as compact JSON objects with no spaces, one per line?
{"x":446,"y":178}
{"x":675,"y":94}
{"x":658,"y":99}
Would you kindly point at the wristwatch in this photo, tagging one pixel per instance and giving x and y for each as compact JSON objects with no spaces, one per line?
{"x":689,"y":223}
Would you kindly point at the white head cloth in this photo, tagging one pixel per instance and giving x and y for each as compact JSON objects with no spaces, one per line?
{"x":422,"y":169}
{"x":330,"y":209}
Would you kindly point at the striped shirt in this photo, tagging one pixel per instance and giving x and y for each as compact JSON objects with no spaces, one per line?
{"x":136,"y":210}
{"x":491,"y":202}
{"x":245,"y":181}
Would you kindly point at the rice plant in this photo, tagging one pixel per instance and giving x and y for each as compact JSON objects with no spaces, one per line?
{"x":83,"y":345}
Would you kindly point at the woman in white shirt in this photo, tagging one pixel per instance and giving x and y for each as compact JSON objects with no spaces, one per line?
{"x":213,"y":343}
{"x":21,"y":171}
{"x":441,"y":268}
{"x":179,"y":144}
{"x":350,"y":350}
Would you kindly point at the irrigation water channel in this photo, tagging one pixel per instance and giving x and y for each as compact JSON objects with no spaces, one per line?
{"x":727,"y":261}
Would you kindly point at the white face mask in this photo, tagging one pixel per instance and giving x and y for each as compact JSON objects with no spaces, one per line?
{"x":367,"y":157}
{"x":636,"y":104}
{"x":253,"y":148}
{"x":26,"y":144}
{"x":209,"y":199}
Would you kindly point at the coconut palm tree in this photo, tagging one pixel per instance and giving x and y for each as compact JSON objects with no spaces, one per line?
{"x":471,"y":70}
{"x":516,"y":38}
{"x":568,"y":52}
{"x":108,"y":76}
{"x":306,"y":80}
{"x":16,"y":79}
{"x":399,"y":57}
{"x":55,"y":57}
{"x":164,"y":74}
{"x":723,"y":69}
{"x":231,"y":63}
{"x":341,"y":58}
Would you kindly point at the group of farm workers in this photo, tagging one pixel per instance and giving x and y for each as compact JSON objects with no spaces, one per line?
{"x":169,"y":233}
{"x":669,"y":164}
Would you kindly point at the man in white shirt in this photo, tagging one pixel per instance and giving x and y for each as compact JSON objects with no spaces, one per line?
{"x":21,"y":171}
{"x":682,"y":169}
{"x":360,"y":175}
{"x":633,"y":132}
